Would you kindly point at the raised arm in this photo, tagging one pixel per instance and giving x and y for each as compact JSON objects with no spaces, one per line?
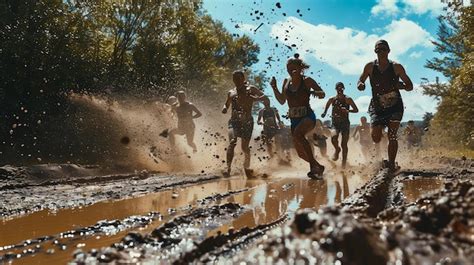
{"x":366,"y":72}
{"x":317,"y":91}
{"x":256,"y":94}
{"x":353,"y":106}
{"x":197,"y":112}
{"x":281,"y":97}
{"x":400,"y":71}
{"x":260,"y":117}
{"x":227,"y":103}
{"x":328,"y":104}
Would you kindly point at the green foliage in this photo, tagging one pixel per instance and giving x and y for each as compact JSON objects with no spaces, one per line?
{"x":453,"y":123}
{"x":139,"y":48}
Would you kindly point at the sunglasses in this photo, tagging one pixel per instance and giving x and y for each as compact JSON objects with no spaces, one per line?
{"x":381,"y":49}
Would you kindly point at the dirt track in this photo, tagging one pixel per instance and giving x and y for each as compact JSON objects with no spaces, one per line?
{"x":364,"y":217}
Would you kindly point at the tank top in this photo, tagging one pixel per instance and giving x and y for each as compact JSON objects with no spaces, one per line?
{"x":385,"y":94}
{"x":301,"y":94}
{"x":337,"y":105}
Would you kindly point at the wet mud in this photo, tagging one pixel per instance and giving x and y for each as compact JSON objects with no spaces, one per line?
{"x":353,"y":216}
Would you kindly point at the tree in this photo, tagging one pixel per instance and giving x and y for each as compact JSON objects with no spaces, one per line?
{"x":453,"y":121}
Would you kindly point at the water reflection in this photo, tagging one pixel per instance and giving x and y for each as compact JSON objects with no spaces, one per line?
{"x":414,"y":189}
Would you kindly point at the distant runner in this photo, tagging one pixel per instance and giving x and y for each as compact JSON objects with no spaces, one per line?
{"x":320,"y":136}
{"x":362,"y":133}
{"x":296,"y":90}
{"x":241,"y":98}
{"x":386,"y":107}
{"x":413,"y":135}
{"x":271,"y":119}
{"x":186,"y":112}
{"x":341,"y":106}
{"x":283,"y":143}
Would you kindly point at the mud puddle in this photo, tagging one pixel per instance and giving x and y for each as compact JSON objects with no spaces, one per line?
{"x":264,"y":200}
{"x":263,"y":207}
{"x":417,"y":188}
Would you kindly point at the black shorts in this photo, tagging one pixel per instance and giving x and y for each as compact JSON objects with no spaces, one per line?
{"x":269,"y":132}
{"x":242,"y":129}
{"x":382,"y":117}
{"x":341,"y":126}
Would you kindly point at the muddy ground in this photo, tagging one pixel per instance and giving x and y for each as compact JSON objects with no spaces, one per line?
{"x":85,"y":215}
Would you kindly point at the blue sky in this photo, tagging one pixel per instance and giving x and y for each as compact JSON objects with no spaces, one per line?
{"x":336,"y":37}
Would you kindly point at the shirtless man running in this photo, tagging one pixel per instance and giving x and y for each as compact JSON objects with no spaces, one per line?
{"x":241,"y":98}
{"x":386,"y":107}
{"x":341,"y":106}
{"x":363,"y":131}
{"x":186,"y":112}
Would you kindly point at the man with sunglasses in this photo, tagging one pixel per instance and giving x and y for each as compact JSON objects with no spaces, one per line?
{"x":386,"y":107}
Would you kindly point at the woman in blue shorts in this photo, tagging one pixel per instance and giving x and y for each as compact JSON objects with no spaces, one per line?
{"x":296,"y":90}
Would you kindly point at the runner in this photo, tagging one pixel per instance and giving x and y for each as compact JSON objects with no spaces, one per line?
{"x":364,"y":137}
{"x":270,"y":116}
{"x":283,"y":142}
{"x":241,"y":98}
{"x":386,"y":107}
{"x":413,"y":135}
{"x":320,"y":135}
{"x":296,"y":90}
{"x":341,"y":106}
{"x":186,"y":112}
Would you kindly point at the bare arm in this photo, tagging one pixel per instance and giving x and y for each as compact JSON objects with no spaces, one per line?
{"x":198,"y":113}
{"x":328,"y":104}
{"x":311,"y":83}
{"x":256,"y":94}
{"x":367,"y":70}
{"x":355,"y":131}
{"x":277,"y":115}
{"x":353,"y":106}
{"x":227,"y":103}
{"x":400,"y":71}
{"x":280,"y":96}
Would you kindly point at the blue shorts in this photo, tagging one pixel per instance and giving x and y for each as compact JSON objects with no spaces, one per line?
{"x":295,"y":121}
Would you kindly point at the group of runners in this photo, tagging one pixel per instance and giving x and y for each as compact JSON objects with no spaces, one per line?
{"x":385,"y":110}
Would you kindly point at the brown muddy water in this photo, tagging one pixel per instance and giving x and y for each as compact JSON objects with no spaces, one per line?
{"x":266,"y":200}
{"x":416,"y":188}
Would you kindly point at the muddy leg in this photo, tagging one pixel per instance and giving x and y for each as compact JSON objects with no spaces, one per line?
{"x":392,"y":141}
{"x":301,"y":143}
{"x":345,"y":150}
{"x":269,"y":147}
{"x":190,"y":139}
{"x":245,"y":148}
{"x":335,"y":143}
{"x":230,"y":150}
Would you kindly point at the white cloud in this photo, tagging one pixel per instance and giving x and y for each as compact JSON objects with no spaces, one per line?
{"x":387,"y":7}
{"x":416,"y":55}
{"x":345,"y":49}
{"x":362,"y":103}
{"x":417,"y":104}
{"x":419,"y":7}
